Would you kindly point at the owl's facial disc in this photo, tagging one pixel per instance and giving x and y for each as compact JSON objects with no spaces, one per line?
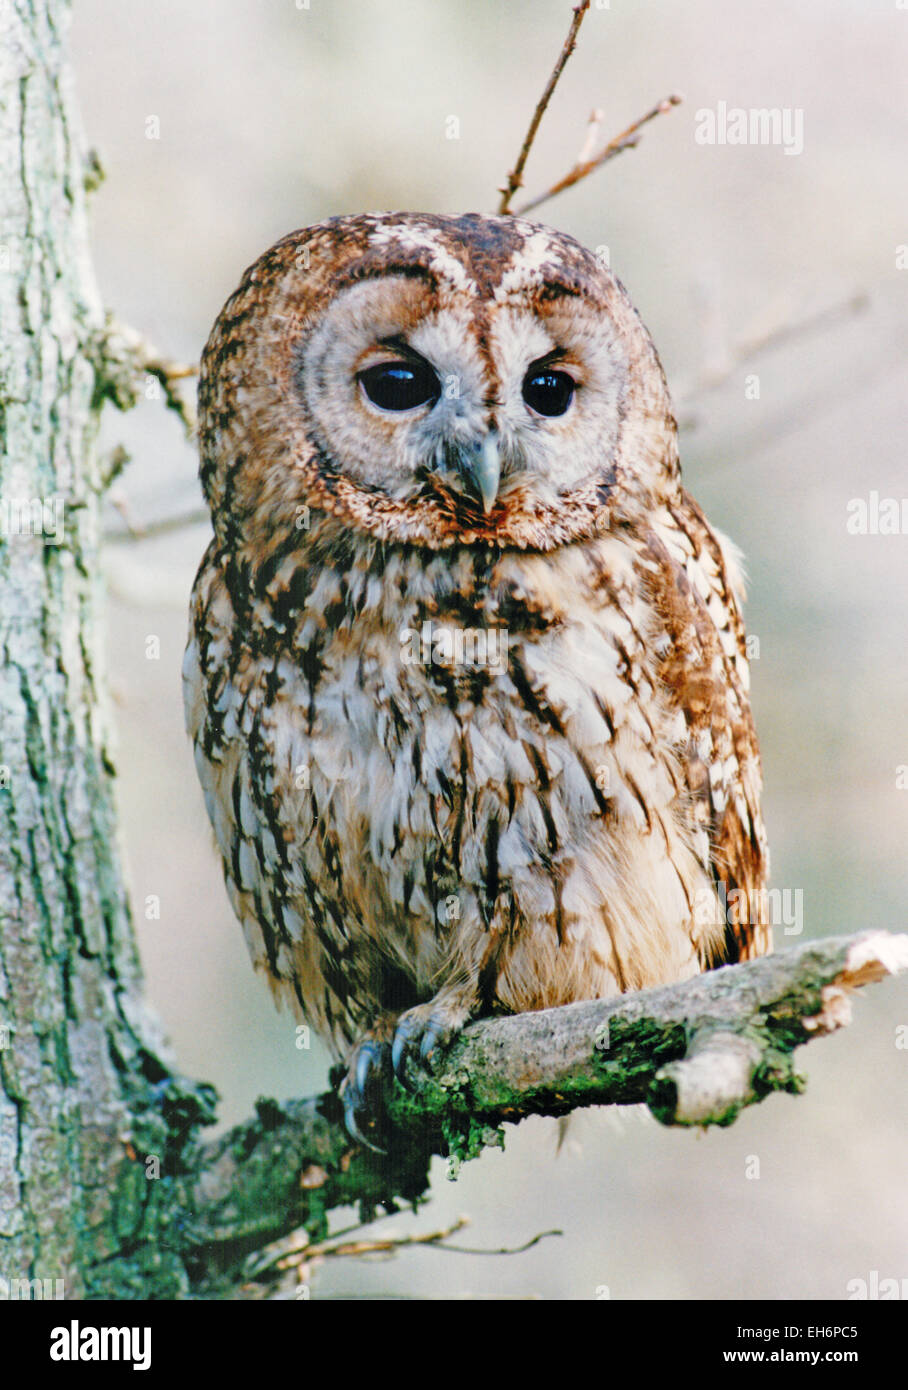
{"x":394,"y":388}
{"x":431,"y":381}
{"x":408,"y":394}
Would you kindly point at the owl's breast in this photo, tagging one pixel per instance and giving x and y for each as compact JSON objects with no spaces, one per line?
{"x":414,"y":768}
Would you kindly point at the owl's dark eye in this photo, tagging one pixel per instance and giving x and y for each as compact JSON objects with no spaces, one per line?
{"x":400,"y":385}
{"x":548,"y":392}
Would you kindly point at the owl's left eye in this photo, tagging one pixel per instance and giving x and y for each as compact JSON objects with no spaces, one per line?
{"x":400,"y":385}
{"x":548,"y":392}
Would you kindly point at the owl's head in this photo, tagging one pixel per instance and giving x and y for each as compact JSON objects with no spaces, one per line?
{"x":433,"y":381}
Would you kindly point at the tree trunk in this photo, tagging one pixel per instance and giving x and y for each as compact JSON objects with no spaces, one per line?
{"x":77,"y":1060}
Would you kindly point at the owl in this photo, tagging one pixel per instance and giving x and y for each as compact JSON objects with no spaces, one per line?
{"x":466,"y":677}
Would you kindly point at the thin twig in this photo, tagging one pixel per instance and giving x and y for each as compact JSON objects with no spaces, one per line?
{"x":799,"y":416}
{"x":298,"y":1252}
{"x":120,"y":503}
{"x":167,"y":373}
{"x":584,"y":167}
{"x":782,"y":331}
{"x":391,"y":1243}
{"x":502,"y":1249}
{"x":145,"y":531}
{"x":594,"y":125}
{"x":515,"y":177}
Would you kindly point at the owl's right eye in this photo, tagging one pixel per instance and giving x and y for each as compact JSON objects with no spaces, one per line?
{"x":400,"y":385}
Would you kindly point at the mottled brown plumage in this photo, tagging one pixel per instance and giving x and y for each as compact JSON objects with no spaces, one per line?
{"x":466,"y":676}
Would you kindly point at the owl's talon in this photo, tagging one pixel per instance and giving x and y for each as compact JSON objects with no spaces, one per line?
{"x":435,"y":1035}
{"x":361,"y":1092}
{"x":370,"y":1059}
{"x":351,"y":1111}
{"x":402,"y":1039}
{"x":419,"y":1034}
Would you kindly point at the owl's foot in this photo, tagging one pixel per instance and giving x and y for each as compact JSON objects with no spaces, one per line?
{"x":419,"y":1035}
{"x":428,"y":1029}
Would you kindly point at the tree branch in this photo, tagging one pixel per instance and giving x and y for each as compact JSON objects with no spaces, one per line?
{"x":696,"y":1053}
{"x":768,"y":338}
{"x":583,"y":167}
{"x":515,"y":177}
{"x":150,"y":530}
{"x":124,"y":359}
{"x":586,"y":162}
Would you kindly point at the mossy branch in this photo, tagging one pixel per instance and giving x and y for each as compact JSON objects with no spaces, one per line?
{"x":696,"y":1053}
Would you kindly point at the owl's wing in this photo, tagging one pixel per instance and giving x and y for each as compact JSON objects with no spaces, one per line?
{"x":696,"y":587}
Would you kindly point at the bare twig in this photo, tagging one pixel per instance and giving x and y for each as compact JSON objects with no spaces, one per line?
{"x":774,"y":335}
{"x":515,"y":177}
{"x":144,"y":531}
{"x":298,"y":1252}
{"x":800,"y":414}
{"x":265,"y":1272}
{"x":112,"y":465}
{"x":584,"y":167}
{"x":594,"y":125}
{"x":167,"y":373}
{"x":389,"y":1243}
{"x":502,"y":1249}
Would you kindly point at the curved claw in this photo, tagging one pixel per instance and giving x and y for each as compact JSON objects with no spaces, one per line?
{"x":405,"y":1031}
{"x":365,"y":1076}
{"x":369,"y":1061}
{"x":427,"y":1029}
{"x":437,"y":1032}
{"x":351,"y":1121}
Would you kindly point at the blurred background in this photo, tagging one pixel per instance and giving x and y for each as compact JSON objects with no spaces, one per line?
{"x":272,"y":114}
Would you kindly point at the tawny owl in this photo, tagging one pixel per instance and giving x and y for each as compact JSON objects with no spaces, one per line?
{"x":466,"y":674}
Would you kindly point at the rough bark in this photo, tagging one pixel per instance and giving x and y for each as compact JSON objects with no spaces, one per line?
{"x":81,"y":1089}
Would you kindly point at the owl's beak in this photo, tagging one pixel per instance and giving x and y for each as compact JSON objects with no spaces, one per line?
{"x":480,"y":464}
